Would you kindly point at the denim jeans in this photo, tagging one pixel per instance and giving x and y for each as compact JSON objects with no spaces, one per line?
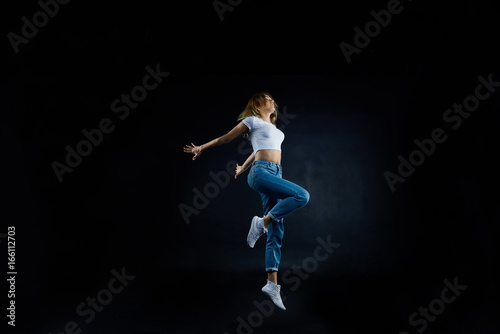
{"x":279,"y":198}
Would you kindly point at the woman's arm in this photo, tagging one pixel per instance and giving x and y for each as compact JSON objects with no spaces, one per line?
{"x":246,"y":164}
{"x":239,"y":129}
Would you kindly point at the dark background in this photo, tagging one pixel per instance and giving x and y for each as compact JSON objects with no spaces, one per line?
{"x":120,"y":207}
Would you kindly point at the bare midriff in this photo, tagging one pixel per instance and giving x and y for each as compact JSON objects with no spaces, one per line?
{"x":269,"y":155}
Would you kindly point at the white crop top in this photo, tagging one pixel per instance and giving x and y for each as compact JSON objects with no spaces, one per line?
{"x":263,"y":135}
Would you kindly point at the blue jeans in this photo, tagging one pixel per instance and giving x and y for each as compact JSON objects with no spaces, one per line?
{"x":279,"y":198}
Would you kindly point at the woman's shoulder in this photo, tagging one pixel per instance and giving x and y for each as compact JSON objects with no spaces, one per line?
{"x":251,"y":119}
{"x":249,"y":122}
{"x":256,"y":118}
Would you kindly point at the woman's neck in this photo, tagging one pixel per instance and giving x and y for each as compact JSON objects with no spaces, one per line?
{"x":266,"y":118}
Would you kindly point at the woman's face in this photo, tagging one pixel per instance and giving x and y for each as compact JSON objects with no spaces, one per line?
{"x":268,"y":104}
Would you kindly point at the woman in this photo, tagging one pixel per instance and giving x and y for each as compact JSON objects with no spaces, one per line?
{"x":279,"y":197}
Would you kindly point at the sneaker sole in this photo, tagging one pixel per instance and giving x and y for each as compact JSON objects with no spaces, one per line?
{"x":284,"y":309}
{"x":251,"y":227}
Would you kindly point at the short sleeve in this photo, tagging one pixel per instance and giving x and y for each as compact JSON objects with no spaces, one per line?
{"x":248,"y":122}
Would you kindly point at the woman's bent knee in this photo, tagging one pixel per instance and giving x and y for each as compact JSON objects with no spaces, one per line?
{"x":303,"y":197}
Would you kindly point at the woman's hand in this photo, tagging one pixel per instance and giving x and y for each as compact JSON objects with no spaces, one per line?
{"x":246,"y":164}
{"x":239,"y":170}
{"x":193,"y":149}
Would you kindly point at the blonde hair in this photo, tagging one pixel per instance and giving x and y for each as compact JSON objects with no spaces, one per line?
{"x":252,"y":108}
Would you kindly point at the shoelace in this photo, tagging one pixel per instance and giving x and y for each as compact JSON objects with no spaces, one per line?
{"x":276,"y":287}
{"x":278,"y":291}
{"x":259,"y":232}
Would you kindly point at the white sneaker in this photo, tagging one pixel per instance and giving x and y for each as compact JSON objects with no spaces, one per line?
{"x":256,"y":230}
{"x":274,"y":291}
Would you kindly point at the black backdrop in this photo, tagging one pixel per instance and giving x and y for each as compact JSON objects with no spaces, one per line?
{"x":125,"y":243}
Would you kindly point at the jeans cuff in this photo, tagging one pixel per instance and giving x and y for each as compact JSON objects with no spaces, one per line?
{"x":272,"y":216}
